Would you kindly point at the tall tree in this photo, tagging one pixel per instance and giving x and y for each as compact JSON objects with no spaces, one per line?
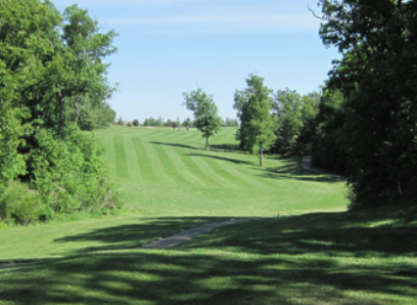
{"x":254,"y":106}
{"x":295,"y":114}
{"x":376,"y":76}
{"x":205,"y":113}
{"x":41,"y":72}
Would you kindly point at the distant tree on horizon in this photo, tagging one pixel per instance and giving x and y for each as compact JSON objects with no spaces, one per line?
{"x":187,"y":123}
{"x":205,"y":113}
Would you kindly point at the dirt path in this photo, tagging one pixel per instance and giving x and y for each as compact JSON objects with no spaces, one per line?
{"x":186,"y":235}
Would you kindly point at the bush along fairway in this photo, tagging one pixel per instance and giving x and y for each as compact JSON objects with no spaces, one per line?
{"x":313,"y":253}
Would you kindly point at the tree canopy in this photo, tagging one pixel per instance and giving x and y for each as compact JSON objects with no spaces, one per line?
{"x":254,"y":110}
{"x":376,"y":77}
{"x":205,"y":111}
{"x":52,"y":83}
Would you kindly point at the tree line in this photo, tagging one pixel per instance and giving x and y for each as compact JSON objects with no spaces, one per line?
{"x":160,"y":122}
{"x":53,"y":88}
{"x":364,"y":124}
{"x":267,"y":122}
{"x":367,"y":123}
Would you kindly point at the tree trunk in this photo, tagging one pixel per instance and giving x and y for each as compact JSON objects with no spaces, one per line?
{"x":261,"y":161}
{"x":207,"y":143}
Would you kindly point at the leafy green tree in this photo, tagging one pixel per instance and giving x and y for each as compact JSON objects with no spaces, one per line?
{"x":296,"y":116}
{"x":46,"y":69}
{"x":288,"y":106}
{"x":377,"y":80}
{"x":329,"y":150}
{"x":159,"y":122}
{"x":168,"y":123}
{"x":228,"y":122}
{"x":205,"y":113}
{"x":187,"y":122}
{"x":243,"y":113}
{"x":255,"y":112}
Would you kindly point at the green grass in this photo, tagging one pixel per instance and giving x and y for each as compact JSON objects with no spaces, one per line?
{"x":309,"y":255}
{"x":88,"y":236}
{"x":166,"y":172}
{"x":320,"y":258}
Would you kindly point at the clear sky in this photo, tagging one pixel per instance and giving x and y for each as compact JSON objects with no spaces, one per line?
{"x":167,"y":47}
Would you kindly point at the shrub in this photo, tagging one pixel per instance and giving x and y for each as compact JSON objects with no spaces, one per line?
{"x":19,"y":204}
{"x":129,"y":124}
{"x":68,"y":175}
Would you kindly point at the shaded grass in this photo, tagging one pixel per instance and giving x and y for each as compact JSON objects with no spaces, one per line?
{"x":106,"y":233}
{"x":320,"y":258}
{"x":385,"y":232}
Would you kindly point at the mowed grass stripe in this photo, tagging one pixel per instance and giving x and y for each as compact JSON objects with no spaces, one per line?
{"x":152,"y":160}
{"x":223,"y":168}
{"x":120,"y":160}
{"x":198,"y":172}
{"x":224,"y":136}
{"x":135,"y":173}
{"x":168,"y":135}
{"x":180,"y":139}
{"x":208,"y":168}
{"x":146,"y":133}
{"x":177,"y":159}
{"x":230,"y":171}
{"x":169,"y":165}
{"x":176,"y":169}
{"x":158,"y":163}
{"x":109,"y":154}
{"x":143,"y":160}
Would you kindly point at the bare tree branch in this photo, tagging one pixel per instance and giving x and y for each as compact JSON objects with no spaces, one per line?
{"x":317,"y":16}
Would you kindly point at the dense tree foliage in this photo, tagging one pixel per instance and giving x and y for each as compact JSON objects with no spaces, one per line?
{"x":329,"y":151}
{"x":52,"y":83}
{"x":292,"y":118}
{"x":188,"y":123}
{"x":377,"y":78}
{"x":296,"y":115}
{"x":254,"y":110}
{"x":206,"y":118}
{"x":228,"y":122}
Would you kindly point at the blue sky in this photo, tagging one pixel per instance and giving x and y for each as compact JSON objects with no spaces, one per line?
{"x":167,"y":47}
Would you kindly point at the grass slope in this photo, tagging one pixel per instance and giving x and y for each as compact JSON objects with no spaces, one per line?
{"x":170,"y":184}
{"x":166,"y":172}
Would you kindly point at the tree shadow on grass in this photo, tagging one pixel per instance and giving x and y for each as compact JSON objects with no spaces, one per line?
{"x":213,"y":147}
{"x":307,"y":259}
{"x":161,"y":278}
{"x":344,"y":234}
{"x":292,"y":169}
{"x":226,"y":148}
{"x":135,"y":235}
{"x":235,"y":161}
{"x":176,"y":145}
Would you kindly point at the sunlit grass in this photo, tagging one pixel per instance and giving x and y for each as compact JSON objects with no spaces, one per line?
{"x":166,"y":172}
{"x":308,"y":255}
